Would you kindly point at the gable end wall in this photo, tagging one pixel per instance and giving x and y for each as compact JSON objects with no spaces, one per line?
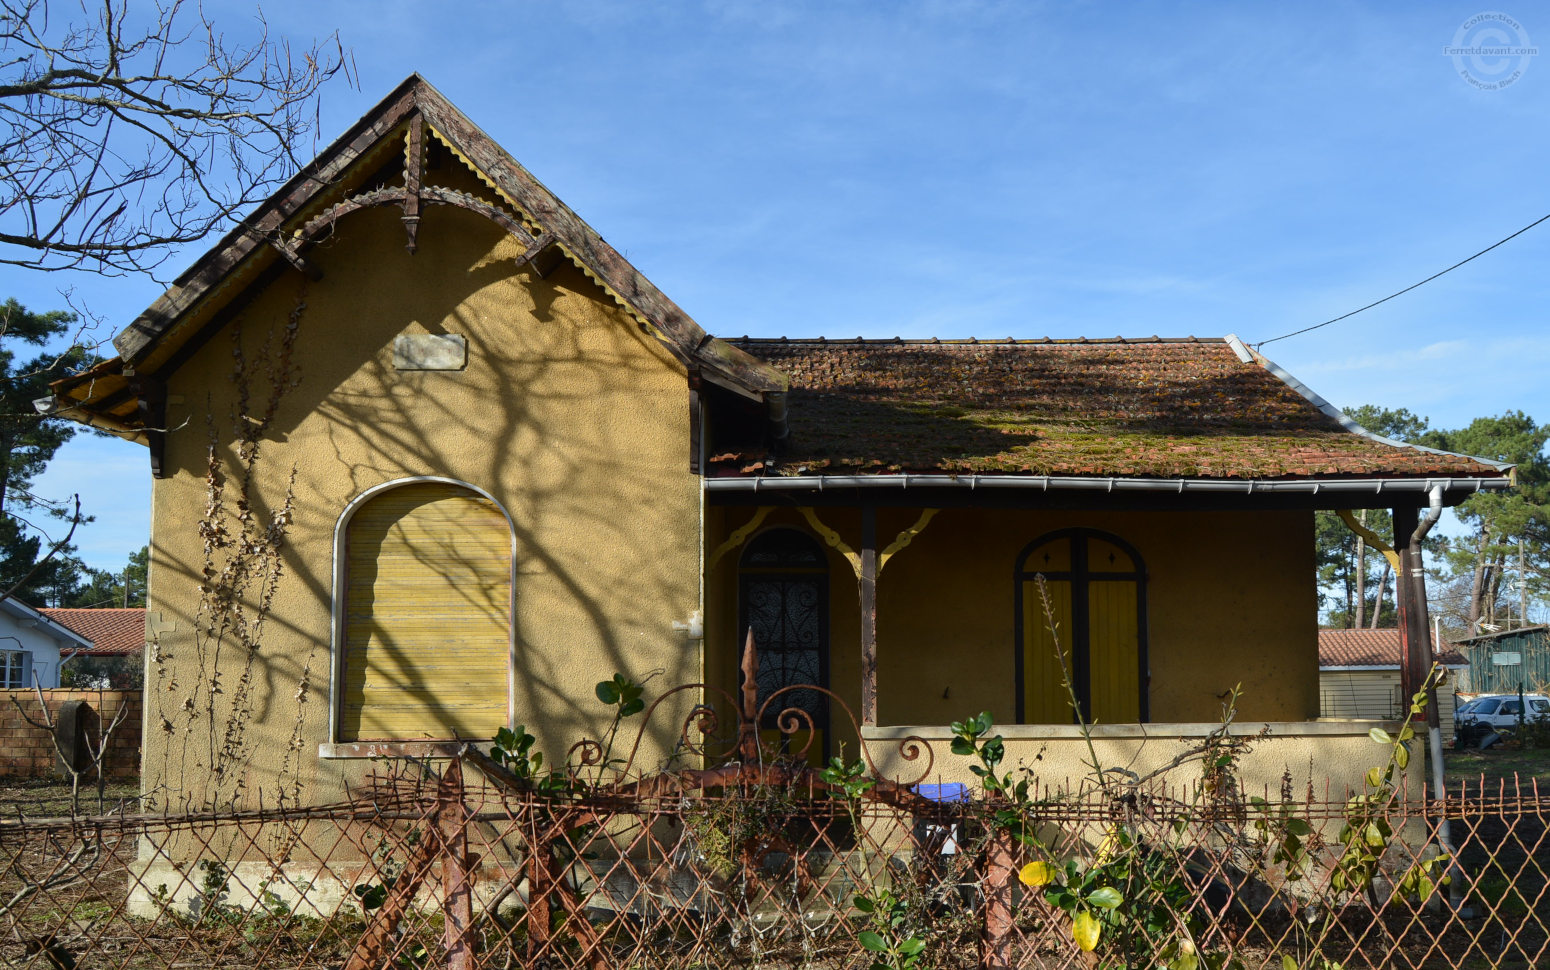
{"x":571,"y":417}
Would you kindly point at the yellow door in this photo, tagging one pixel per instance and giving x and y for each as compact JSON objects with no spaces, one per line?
{"x":428,"y":616}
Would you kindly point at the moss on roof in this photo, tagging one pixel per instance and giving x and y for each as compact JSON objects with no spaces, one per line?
{"x":1153,"y":408}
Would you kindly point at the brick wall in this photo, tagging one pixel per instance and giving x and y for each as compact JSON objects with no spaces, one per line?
{"x":28,"y":752}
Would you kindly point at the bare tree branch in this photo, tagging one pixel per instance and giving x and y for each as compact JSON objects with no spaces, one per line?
{"x":54,"y":550}
{"x":124,"y":133}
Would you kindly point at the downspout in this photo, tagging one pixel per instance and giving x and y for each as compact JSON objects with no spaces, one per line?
{"x":693,"y":628}
{"x":1433,"y":715}
{"x":780,"y":428}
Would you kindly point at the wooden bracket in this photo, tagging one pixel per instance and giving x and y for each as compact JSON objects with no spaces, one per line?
{"x":542,"y":255}
{"x":1373,"y":539}
{"x":833,"y":539}
{"x":738,"y":536}
{"x":694,"y":424}
{"x":414,"y":168}
{"x":906,"y":537}
{"x":547,"y":259}
{"x":151,"y":400}
{"x":291,"y":254}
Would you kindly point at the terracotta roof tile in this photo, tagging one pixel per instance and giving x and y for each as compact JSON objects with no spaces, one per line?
{"x":1144,"y":408}
{"x":113,"y":632}
{"x":1371,"y":648}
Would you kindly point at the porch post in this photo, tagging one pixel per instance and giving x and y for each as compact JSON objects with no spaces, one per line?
{"x":1415,"y":635}
{"x":868,"y":584}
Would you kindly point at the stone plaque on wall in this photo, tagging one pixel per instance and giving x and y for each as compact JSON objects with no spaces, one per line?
{"x":430,"y":351}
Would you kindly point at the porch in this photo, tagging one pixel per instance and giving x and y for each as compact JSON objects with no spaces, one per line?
{"x":916,"y":616}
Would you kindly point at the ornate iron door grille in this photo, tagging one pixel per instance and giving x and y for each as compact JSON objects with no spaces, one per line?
{"x":783,"y":596}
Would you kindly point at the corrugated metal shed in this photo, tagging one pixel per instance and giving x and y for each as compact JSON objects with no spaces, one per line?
{"x":1499,"y":663}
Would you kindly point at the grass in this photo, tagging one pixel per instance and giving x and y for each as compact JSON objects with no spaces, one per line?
{"x":50,"y":797}
{"x":1500,"y":765}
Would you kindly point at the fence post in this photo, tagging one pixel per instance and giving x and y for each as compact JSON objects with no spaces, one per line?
{"x":537,"y":886}
{"x":375,"y":946}
{"x":996,"y":937}
{"x":456,"y":868}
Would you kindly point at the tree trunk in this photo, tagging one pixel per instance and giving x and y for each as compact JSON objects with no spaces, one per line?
{"x":1377,"y":602}
{"x":5,"y":469}
{"x":1494,"y":586}
{"x":1361,"y":576}
{"x":1477,"y":584}
{"x":1350,"y":606}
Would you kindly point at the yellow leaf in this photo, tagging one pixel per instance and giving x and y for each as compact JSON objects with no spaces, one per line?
{"x":1085,"y":930}
{"x":1109,"y":846}
{"x":1037,"y":874}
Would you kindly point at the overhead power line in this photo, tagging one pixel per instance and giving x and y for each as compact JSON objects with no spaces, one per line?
{"x":1407,"y":289}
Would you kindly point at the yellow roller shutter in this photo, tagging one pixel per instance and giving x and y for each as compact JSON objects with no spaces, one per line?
{"x":428,"y":616}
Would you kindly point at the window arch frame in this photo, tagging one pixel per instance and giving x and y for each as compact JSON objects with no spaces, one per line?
{"x":337,"y":608}
{"x":1080,"y":658}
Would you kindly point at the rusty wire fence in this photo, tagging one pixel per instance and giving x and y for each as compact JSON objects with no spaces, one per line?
{"x":426,"y":872}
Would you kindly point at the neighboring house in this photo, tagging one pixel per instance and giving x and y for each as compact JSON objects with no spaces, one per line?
{"x":117,"y":638}
{"x":520,"y":467}
{"x":1359,"y":676}
{"x":1509,"y":661}
{"x":31,"y":644}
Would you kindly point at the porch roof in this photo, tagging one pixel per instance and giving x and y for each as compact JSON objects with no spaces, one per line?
{"x":1148,"y":408}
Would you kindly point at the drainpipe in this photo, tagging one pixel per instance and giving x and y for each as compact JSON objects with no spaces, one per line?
{"x":780,"y":428}
{"x":1433,"y":715}
{"x":1418,"y":580}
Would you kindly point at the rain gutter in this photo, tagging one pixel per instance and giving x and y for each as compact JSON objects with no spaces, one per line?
{"x":1051,"y":483}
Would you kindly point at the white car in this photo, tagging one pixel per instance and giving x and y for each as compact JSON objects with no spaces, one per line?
{"x":1491,"y":714}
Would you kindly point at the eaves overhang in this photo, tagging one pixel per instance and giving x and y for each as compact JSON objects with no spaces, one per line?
{"x":1027,"y":489}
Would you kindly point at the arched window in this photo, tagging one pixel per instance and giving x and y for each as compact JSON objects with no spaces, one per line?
{"x":783,"y":596}
{"x":426,"y":628}
{"x":1097,"y":593}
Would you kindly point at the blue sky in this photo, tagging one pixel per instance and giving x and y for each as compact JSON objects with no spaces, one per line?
{"x":993,"y":169}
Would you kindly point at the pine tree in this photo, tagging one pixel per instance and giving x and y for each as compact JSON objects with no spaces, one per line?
{"x":31,"y":569}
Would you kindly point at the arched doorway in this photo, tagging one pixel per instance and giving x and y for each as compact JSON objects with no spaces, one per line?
{"x":783,"y":596}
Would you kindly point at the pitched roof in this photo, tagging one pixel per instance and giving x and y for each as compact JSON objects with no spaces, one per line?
{"x":1163,"y":408}
{"x":112,"y":632}
{"x":31,"y":615}
{"x":1490,"y":639}
{"x":277,"y":235}
{"x":1372,"y":648}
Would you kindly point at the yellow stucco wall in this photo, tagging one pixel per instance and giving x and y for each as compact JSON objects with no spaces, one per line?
{"x":1229,"y":600}
{"x":570,"y":416}
{"x":1327,"y":759}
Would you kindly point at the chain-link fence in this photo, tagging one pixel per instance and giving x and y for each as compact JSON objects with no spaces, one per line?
{"x":772,"y":866}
